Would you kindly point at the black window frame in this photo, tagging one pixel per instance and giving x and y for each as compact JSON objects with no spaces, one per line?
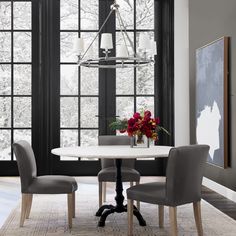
{"x":46,"y":89}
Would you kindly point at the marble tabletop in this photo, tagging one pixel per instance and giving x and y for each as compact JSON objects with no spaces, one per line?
{"x":112,"y":152}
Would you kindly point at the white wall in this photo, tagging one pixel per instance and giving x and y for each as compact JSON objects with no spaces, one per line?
{"x":181,"y":60}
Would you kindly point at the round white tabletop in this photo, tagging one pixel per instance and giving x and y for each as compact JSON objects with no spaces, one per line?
{"x":113,"y":152}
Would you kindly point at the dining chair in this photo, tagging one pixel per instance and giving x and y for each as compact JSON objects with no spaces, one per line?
{"x":108,"y":169}
{"x":184,"y":175}
{"x":47,"y":184}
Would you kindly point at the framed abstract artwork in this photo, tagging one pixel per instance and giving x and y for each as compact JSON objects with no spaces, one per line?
{"x":212,"y":99}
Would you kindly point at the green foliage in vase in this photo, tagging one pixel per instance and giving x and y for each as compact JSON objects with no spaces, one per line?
{"x":120,"y":125}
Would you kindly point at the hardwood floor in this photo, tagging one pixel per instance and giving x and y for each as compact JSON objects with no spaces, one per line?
{"x":220,"y":202}
{"x":10,"y":195}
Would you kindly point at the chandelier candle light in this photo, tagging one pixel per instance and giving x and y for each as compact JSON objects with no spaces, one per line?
{"x":123,"y":59}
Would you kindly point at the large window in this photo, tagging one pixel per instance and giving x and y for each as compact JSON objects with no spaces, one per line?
{"x":78,"y":86}
{"x":135,"y":87}
{"x":15,"y":75}
{"x":48,"y":100}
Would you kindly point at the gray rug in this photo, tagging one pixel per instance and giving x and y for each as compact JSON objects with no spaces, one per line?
{"x":49,"y":217}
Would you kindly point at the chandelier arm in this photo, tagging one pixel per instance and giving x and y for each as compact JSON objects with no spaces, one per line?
{"x":97,"y":33}
{"x":122,"y":32}
{"x":115,"y":62}
{"x":122,"y":23}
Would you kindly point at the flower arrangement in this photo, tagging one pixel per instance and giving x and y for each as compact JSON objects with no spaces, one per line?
{"x":140,"y":124}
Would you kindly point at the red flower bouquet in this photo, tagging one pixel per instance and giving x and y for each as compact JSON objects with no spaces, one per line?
{"x":140,"y":124}
{"x":143,"y":125}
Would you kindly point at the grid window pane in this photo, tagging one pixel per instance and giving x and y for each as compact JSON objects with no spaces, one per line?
{"x":5,"y":15}
{"x":67,"y":43}
{"x":124,"y":107}
{"x":22,"y":79}
{"x":69,"y":112}
{"x":89,"y":14}
{"x":22,"y":46}
{"x":89,"y":81}
{"x":69,"y":138}
{"x":5,"y":112}
{"x":88,"y":137}
{"x":89,"y":110}
{"x":15,"y":112}
{"x":88,"y":38}
{"x":124,"y":81}
{"x":22,"y":15}
{"x":145,"y":14}
{"x":145,"y":80}
{"x":150,"y":35}
{"x":121,"y":39}
{"x":145,"y":103}
{"x":127,"y":13}
{"x":69,"y":14}
{"x":5,"y":145}
{"x":69,"y":79}
{"x":5,"y":47}
{"x":22,"y":134}
{"x":5,"y":79}
{"x":22,"y":112}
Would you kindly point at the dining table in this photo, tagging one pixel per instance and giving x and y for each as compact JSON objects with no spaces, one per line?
{"x":118,"y":153}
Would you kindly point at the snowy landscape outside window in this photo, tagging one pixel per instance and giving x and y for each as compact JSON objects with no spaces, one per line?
{"x":80,"y":86}
{"x":15,"y":75}
{"x":135,"y":86}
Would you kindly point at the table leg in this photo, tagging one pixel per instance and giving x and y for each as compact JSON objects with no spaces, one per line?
{"x":106,"y":210}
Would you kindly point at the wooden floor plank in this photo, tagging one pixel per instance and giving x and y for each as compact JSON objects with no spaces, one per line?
{"x":220,"y":202}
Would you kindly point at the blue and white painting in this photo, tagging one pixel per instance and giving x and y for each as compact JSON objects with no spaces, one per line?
{"x":210,"y":102}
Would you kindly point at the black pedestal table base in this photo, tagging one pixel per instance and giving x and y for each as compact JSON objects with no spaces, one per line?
{"x":106,"y":210}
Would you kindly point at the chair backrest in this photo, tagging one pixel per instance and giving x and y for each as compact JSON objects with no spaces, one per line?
{"x":26,"y":163}
{"x":115,"y":140}
{"x":184,"y":174}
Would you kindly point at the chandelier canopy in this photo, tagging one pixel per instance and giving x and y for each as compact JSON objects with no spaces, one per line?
{"x":123,"y":58}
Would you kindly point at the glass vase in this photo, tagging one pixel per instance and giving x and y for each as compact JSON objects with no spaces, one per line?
{"x":139,"y":141}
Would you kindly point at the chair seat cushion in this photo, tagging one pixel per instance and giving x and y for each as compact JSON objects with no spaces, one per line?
{"x":154,"y":193}
{"x":109,"y":175}
{"x":52,"y":184}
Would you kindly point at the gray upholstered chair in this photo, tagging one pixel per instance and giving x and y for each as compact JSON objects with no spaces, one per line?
{"x":108,"y":171}
{"x":47,"y":184}
{"x":183,"y":185}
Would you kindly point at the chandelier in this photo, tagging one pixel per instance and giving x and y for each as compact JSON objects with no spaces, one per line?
{"x":123,"y":58}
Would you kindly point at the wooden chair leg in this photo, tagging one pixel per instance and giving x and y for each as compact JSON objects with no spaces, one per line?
{"x":23,"y":208}
{"x":73,"y":204}
{"x":130,"y":204}
{"x":198,"y":217}
{"x":100,"y":194}
{"x":70,"y":208}
{"x":137,"y":202}
{"x":104,"y":190}
{"x":161,"y":216}
{"x":29,"y":204}
{"x":173,"y":221}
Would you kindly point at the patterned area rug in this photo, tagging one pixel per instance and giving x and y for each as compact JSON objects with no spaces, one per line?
{"x":49,"y":217}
